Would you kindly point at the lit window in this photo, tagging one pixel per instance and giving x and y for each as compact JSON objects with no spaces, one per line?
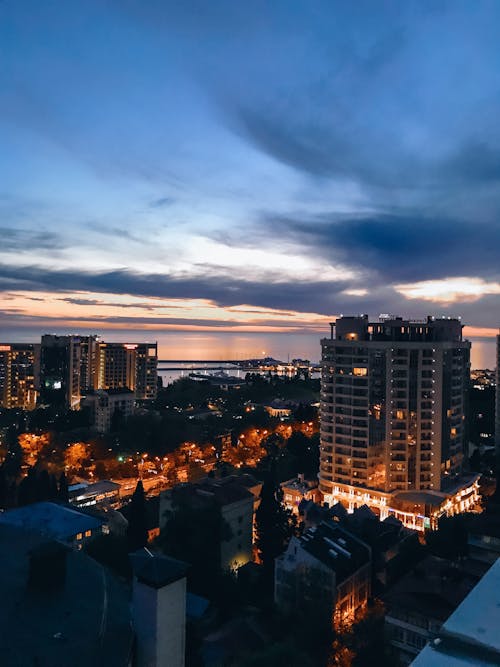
{"x":359,"y":371}
{"x":400,"y":414}
{"x":88,"y":533}
{"x":79,"y":536}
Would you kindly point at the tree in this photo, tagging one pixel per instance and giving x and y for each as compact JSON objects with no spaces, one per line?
{"x":450,"y":539}
{"x":137,"y":531}
{"x":12,"y":463}
{"x":63,"y":494}
{"x":193,"y":532}
{"x":274,"y":523}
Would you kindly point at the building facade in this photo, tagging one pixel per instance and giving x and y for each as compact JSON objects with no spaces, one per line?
{"x":60,"y":358}
{"x":19,"y":367}
{"x":393,"y":396}
{"x":104,"y":405}
{"x":327,"y":569}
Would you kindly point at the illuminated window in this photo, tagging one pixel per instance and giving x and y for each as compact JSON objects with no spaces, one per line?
{"x":79,"y":536}
{"x":359,"y":371}
{"x":88,"y":533}
{"x":400,"y":414}
{"x":453,"y":432}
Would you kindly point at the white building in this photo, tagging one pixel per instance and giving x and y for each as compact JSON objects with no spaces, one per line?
{"x":392,"y":417}
{"x":104,"y":403}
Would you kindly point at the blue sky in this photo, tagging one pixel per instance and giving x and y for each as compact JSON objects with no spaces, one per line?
{"x":255,"y":167}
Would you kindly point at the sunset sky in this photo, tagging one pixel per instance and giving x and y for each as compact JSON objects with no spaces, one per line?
{"x":247,"y":167}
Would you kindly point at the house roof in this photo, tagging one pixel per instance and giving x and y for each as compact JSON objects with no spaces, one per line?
{"x":59,"y":522}
{"x":43,"y":628}
{"x":336,"y":548}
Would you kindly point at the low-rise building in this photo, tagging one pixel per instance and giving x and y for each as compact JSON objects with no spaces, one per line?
{"x":470,"y":636}
{"x":280,"y":409}
{"x":59,"y":606}
{"x":327,"y":568}
{"x":66,"y":524}
{"x":235,"y":503}
{"x":298,"y":489}
{"x":104,"y":404}
{"x":105,"y":493}
{"x":421,"y":601}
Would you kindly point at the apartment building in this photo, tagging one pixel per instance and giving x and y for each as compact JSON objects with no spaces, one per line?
{"x":19,"y":366}
{"x":393,"y":398}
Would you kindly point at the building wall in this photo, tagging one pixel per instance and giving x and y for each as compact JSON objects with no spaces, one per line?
{"x":238,"y":549}
{"x":171,"y":625}
{"x":60,"y":370}
{"x":19,"y":364}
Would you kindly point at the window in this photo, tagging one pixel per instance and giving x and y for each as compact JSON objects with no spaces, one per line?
{"x":359,"y":371}
{"x":88,"y":533}
{"x":79,"y":536}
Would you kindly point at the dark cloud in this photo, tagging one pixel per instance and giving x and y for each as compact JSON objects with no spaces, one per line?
{"x":28,"y":239}
{"x":400,"y":247}
{"x":221,"y":289}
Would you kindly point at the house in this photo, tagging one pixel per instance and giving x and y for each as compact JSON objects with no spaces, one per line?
{"x":280,"y":409}
{"x":327,"y":568}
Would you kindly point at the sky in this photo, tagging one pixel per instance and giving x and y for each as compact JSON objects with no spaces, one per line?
{"x":247,"y":167}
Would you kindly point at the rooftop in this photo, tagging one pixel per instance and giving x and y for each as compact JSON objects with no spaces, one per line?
{"x":336,"y":548}
{"x":157,"y":570}
{"x":56,"y":521}
{"x":43,"y":628}
{"x":470,"y":636}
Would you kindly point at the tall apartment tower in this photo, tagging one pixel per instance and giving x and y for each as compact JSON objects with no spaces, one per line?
{"x":60,"y":359}
{"x":392,"y":407}
{"x":497,"y":407}
{"x":19,"y":367}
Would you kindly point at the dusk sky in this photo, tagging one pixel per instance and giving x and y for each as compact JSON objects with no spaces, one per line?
{"x":247,"y":166}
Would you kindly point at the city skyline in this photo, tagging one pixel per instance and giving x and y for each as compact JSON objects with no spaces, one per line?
{"x":247,"y":170}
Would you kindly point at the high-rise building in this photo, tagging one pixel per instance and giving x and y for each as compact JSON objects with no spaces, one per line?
{"x":497,"y":407}
{"x":89,"y":357}
{"x":60,"y":358}
{"x":18,"y":375}
{"x":392,"y":417}
{"x":128,"y":365}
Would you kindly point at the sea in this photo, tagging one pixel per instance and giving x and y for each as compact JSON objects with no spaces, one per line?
{"x":215,"y":349}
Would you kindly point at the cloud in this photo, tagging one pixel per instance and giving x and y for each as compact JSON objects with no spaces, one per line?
{"x":13,"y":239}
{"x":449,"y":290}
{"x":399,"y":247}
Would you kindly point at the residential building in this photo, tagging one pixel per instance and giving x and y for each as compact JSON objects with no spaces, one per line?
{"x":235,"y":503}
{"x":105,"y":404}
{"x":470,"y":637}
{"x":421,"y":601}
{"x":497,"y":402}
{"x":56,"y":522}
{"x":60,"y":358}
{"x":326,"y":568}
{"x":128,"y":365}
{"x":19,"y":368}
{"x":89,"y":363}
{"x":393,"y":396}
